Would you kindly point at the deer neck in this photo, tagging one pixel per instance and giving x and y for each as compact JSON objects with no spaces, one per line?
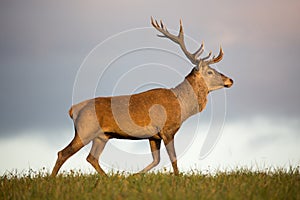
{"x":192,"y":95}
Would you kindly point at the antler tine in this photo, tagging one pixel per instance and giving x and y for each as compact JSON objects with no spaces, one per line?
{"x":181,"y":35}
{"x":154,"y":23}
{"x":218,"y":58}
{"x":177,"y":39}
{"x":199,"y":51}
{"x":162,"y":24}
{"x":205,"y":58}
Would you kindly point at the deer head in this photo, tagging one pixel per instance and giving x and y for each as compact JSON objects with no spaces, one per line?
{"x":213,"y":79}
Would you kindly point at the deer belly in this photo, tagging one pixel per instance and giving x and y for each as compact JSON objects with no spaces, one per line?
{"x":135,"y":133}
{"x":131,"y":137}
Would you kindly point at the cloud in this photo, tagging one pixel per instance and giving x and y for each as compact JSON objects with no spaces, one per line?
{"x":257,"y":23}
{"x":258,"y":142}
{"x":42,"y":45}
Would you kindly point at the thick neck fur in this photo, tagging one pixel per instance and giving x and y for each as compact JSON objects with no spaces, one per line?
{"x":192,"y":94}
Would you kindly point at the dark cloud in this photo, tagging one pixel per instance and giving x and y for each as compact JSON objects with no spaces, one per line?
{"x":42,"y":45}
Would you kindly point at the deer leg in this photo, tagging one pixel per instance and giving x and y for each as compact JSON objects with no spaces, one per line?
{"x":93,"y":157}
{"x":169,"y":143}
{"x":75,"y":145}
{"x":155,"y":150}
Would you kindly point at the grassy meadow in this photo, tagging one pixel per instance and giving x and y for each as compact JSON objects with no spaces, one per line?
{"x":236,"y":184}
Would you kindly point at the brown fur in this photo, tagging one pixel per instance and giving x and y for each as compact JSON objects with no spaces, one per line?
{"x":171,"y":112}
{"x":152,"y":114}
{"x":155,"y":115}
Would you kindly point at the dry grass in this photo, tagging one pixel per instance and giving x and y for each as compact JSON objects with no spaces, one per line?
{"x":237,"y":184}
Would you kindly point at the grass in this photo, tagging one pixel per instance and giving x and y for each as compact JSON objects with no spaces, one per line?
{"x":236,"y":184}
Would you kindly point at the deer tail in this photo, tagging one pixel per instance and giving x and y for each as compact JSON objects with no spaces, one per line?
{"x":75,"y":109}
{"x":71,"y":112}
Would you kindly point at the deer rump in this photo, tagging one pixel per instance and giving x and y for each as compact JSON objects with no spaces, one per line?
{"x":138,"y":116}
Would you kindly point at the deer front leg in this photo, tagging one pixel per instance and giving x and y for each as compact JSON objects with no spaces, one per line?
{"x":155,"y":150}
{"x":169,"y":143}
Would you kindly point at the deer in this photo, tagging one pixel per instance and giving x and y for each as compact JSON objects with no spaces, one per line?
{"x":156,"y":114}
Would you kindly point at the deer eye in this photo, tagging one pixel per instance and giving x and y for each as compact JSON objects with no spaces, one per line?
{"x":210,"y":72}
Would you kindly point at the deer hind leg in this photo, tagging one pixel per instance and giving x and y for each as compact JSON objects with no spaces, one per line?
{"x":75,"y":145}
{"x":93,"y":157}
{"x":169,"y":143}
{"x":155,"y":150}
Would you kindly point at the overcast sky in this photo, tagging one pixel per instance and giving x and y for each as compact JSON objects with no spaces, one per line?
{"x":43,"y":46}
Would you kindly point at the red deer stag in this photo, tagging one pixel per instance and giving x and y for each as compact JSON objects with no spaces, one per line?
{"x":155,"y":115}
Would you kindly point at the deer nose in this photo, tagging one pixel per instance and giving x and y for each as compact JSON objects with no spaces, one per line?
{"x":228,"y":83}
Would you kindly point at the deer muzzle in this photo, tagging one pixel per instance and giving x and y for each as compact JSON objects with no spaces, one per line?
{"x":227,"y":81}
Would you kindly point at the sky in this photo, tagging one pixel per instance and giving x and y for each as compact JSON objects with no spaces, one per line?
{"x":56,"y":53}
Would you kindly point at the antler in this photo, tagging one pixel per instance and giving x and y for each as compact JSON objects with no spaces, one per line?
{"x":218,"y":58}
{"x":193,"y":57}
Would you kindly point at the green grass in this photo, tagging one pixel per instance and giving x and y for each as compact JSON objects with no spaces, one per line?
{"x":236,"y":184}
